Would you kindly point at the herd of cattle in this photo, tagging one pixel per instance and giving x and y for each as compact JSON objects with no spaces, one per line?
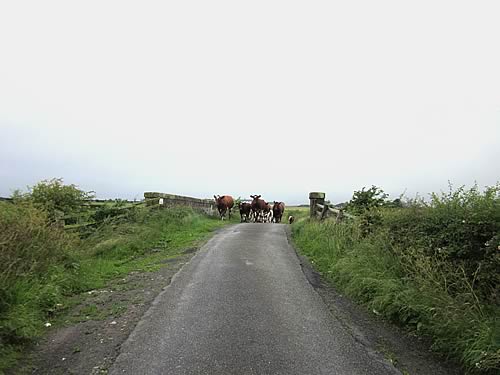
{"x":258,"y":211}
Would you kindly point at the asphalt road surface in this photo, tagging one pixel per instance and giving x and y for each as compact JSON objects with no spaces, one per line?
{"x":242,"y":305}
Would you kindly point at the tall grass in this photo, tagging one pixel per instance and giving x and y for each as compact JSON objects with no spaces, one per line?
{"x":35,"y":257}
{"x":298,"y":213}
{"x":41,"y":264}
{"x":399,"y":278}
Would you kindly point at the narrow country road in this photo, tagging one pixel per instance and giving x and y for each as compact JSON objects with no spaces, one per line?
{"x":243,"y":306}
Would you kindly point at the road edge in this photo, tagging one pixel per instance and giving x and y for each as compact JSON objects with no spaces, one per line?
{"x":378,"y":336}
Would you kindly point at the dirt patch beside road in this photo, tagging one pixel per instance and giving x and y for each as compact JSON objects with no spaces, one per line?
{"x":88,"y":338}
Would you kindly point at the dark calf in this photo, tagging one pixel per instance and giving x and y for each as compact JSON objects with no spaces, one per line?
{"x":278,"y":211}
{"x":245,"y":211}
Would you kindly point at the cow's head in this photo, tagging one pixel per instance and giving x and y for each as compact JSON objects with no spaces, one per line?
{"x":255,"y":197}
{"x":217,"y":198}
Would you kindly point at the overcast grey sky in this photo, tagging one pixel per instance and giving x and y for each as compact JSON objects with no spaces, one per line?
{"x":272,"y":97}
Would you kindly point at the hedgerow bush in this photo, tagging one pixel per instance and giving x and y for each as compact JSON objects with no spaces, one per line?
{"x":366,"y":204}
{"x":32,"y":253}
{"x":461,"y":227}
{"x":29,"y":243}
{"x":366,"y":200}
{"x":54,"y":197}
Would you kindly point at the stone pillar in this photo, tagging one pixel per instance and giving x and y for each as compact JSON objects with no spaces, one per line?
{"x":315,"y":198}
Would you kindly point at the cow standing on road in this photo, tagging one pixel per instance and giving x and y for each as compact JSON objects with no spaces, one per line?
{"x":224,"y":203}
{"x":278,"y":211}
{"x":267,"y":213}
{"x":245,"y":211}
{"x":258,"y":206}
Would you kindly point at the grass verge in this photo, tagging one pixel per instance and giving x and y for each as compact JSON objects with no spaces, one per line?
{"x":423,"y":293}
{"x":43,"y":266}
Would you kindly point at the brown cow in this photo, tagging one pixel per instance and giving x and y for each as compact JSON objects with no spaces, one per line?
{"x":223,"y":204}
{"x":258,"y":206}
{"x":245,"y":211}
{"x":278,"y":211}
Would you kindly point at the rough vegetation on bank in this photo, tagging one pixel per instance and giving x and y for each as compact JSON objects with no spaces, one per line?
{"x":43,"y":264}
{"x":432,"y":266}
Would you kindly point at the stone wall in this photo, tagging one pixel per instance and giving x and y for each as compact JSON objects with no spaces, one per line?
{"x":170,"y":200}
